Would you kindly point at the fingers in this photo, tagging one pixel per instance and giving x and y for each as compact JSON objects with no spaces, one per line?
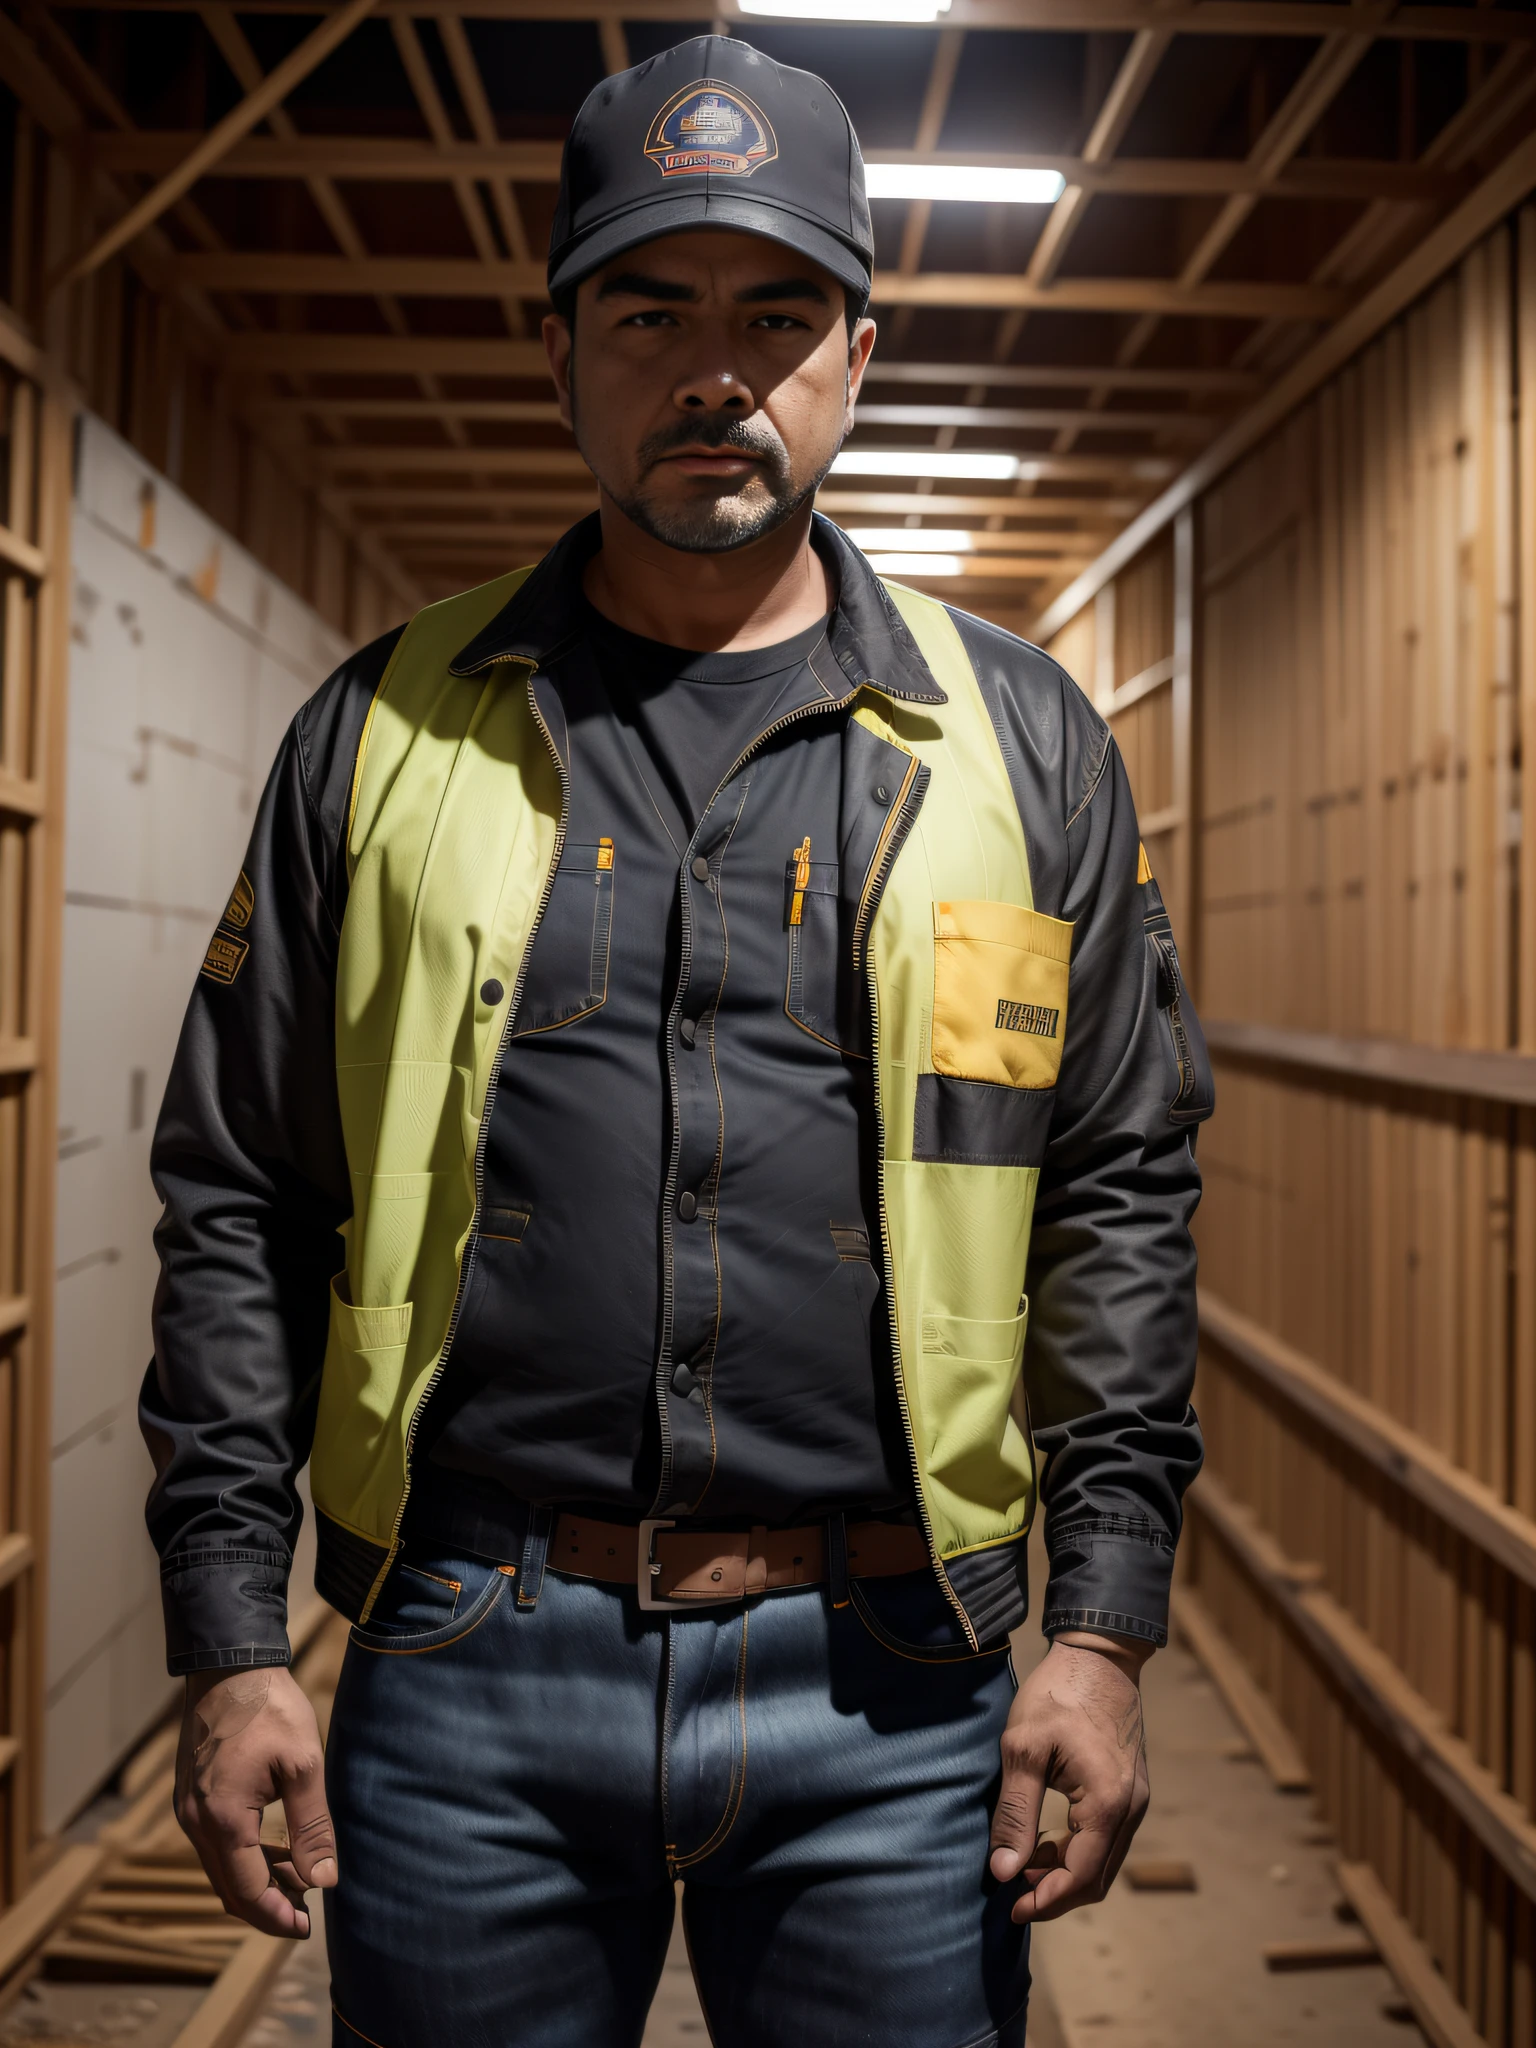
{"x":1016,"y":1817}
{"x":228,"y":1842}
{"x":311,"y":1838}
{"x":1081,"y":1871}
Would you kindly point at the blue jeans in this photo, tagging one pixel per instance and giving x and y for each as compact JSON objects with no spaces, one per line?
{"x":515,"y":1790}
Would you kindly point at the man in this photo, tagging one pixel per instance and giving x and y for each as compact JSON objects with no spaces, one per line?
{"x":704,"y":986}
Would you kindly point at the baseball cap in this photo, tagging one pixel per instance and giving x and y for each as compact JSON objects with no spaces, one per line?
{"x":712,"y":134}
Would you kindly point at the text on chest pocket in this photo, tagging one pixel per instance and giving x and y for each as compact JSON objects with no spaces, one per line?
{"x":568,"y":966}
{"x":999,"y":993}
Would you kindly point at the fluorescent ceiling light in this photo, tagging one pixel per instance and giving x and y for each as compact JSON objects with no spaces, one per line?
{"x":916,"y":565}
{"x":926,"y":462}
{"x":963,"y":181}
{"x":847,"y":10}
{"x":941,"y":540}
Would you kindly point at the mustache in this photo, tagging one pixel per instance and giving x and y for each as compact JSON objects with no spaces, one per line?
{"x":714,"y":430}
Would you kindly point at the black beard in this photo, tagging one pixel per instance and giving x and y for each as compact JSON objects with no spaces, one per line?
{"x":742,"y":512}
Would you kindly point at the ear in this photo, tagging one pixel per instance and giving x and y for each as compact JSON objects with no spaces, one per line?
{"x":860,"y":348}
{"x":557,"y":347}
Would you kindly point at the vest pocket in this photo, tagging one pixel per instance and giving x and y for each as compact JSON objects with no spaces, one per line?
{"x":568,"y":965}
{"x":1000,"y":975}
{"x":970,"y":1370}
{"x":359,"y":1391}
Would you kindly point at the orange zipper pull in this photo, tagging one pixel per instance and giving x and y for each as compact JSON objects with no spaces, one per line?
{"x":605,"y":853}
{"x":802,"y":857}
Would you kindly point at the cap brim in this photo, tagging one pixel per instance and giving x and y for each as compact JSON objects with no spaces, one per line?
{"x":672,"y":212}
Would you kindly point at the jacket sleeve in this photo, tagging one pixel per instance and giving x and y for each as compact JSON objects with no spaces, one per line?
{"x":1112,"y":1332}
{"x":249,"y":1164}
{"x":1110,"y":1358}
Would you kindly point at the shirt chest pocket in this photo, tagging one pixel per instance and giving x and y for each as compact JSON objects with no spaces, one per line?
{"x":999,"y":993}
{"x":818,"y":989}
{"x":568,"y":968}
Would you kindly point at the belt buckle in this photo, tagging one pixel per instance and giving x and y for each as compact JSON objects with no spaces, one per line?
{"x":646,"y":1567}
{"x":647,"y":1570}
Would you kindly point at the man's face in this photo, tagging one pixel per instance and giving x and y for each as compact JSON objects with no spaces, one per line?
{"x":710,"y":384}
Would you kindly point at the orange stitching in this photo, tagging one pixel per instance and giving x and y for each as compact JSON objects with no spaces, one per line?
{"x":426,"y":1649}
{"x":335,"y":2008}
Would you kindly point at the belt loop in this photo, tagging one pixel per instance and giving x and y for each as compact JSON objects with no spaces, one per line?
{"x":535,"y":1549}
{"x":837,"y":1560}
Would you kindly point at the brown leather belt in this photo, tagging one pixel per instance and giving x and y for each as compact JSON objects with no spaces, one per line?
{"x":671,"y":1566}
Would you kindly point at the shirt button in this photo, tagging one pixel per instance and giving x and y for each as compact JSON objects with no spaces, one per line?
{"x":882,"y":795}
{"x":688,"y":1030}
{"x":491,"y":993}
{"x":687,"y":1205}
{"x":700,"y":868}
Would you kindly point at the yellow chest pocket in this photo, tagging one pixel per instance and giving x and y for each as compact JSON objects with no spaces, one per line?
{"x":999,"y":993}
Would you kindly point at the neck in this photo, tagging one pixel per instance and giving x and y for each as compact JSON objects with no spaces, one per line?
{"x":752,"y":597}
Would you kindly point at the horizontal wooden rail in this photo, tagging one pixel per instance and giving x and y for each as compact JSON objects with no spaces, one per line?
{"x":1130,"y":692}
{"x":1431,"y":1069}
{"x":1374,"y":1683}
{"x":21,"y":798}
{"x":1435,"y":2006}
{"x":1472,"y":1509}
{"x":15,"y":1313}
{"x":17,"y":1055}
{"x":16,"y":1556}
{"x":19,"y":554}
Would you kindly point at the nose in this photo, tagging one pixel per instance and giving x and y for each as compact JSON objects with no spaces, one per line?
{"x":712,"y":391}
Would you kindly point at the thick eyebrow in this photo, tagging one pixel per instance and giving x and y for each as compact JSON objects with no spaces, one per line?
{"x":782,"y":288}
{"x":635,"y":284}
{"x":638,"y":284}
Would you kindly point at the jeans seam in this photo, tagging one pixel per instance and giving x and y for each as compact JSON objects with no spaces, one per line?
{"x":736,"y":1796}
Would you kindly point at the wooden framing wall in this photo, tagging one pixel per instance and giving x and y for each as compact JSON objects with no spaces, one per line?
{"x":36,"y":416}
{"x":1354,"y":611}
{"x":143,"y":359}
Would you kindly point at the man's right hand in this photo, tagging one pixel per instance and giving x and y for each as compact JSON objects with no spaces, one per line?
{"x":248,"y":1739}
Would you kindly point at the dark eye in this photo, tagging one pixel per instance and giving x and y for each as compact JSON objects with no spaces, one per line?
{"x":653,"y":316}
{"x":778,"y":323}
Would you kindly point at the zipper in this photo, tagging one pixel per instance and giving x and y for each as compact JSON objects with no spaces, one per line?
{"x":903,"y":812}
{"x":467,"y":1263}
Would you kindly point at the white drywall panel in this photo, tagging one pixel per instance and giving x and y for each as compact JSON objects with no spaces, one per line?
{"x":188,"y":661}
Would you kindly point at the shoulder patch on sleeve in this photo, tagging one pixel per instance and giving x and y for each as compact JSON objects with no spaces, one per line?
{"x":225,"y":957}
{"x":241,"y":905}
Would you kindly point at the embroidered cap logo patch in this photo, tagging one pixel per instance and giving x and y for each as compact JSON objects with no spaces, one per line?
{"x":710,"y":128}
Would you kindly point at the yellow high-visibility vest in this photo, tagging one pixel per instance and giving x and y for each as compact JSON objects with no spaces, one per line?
{"x":454,"y":834}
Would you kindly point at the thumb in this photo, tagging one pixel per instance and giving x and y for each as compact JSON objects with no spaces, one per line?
{"x":311,"y":1837}
{"x":1016,"y":1817}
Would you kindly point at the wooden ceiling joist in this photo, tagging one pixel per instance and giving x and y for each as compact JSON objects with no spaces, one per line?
{"x":369,"y":159}
{"x":1246,"y":18}
{"x":385,"y":461}
{"x":439,"y":277}
{"x":545,"y":412}
{"x":1201,"y":292}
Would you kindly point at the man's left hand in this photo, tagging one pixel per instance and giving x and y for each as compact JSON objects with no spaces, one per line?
{"x":1075,"y":1727}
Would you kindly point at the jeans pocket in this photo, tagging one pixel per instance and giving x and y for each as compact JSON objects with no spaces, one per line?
{"x":909,"y":1615}
{"x":430,"y":1600}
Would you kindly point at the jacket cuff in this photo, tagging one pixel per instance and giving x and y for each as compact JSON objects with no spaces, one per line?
{"x":1111,"y":1573}
{"x":226,"y":1608}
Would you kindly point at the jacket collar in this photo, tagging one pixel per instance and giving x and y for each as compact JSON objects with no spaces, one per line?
{"x":867,"y":636}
